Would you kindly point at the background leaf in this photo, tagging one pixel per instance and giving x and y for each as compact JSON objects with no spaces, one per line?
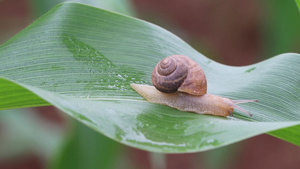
{"x":120,"y":6}
{"x":86,"y":148}
{"x":278,"y":38}
{"x":83,"y":64}
{"x":19,"y":131}
{"x":298,"y":4}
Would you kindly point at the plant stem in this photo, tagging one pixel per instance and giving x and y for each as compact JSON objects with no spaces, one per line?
{"x":158,"y":160}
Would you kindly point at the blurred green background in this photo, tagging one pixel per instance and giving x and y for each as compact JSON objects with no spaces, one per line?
{"x":232,"y":32}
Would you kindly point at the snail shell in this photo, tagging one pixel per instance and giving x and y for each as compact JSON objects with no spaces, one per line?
{"x":179,"y":73}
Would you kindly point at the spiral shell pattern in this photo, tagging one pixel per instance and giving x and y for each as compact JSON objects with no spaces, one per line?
{"x":179,"y":73}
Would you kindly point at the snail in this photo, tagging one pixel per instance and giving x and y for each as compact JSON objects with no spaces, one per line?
{"x":180,"y":82}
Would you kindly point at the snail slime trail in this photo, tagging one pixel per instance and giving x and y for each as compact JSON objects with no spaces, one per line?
{"x":179,"y":82}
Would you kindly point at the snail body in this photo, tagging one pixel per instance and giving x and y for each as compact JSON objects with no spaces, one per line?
{"x":179,"y":82}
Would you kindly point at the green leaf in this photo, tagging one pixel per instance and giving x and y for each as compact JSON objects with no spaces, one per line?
{"x":278,"y":38}
{"x":298,"y":4}
{"x":23,"y":131}
{"x":120,"y":6}
{"x":86,"y":148}
{"x":82,"y":59}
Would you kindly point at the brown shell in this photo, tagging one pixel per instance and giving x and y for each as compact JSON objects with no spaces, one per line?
{"x":179,"y":73}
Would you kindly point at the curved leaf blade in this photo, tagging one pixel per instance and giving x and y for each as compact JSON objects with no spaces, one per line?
{"x":82,"y":59}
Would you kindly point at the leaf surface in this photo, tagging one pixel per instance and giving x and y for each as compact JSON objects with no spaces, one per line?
{"x":82,"y":59}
